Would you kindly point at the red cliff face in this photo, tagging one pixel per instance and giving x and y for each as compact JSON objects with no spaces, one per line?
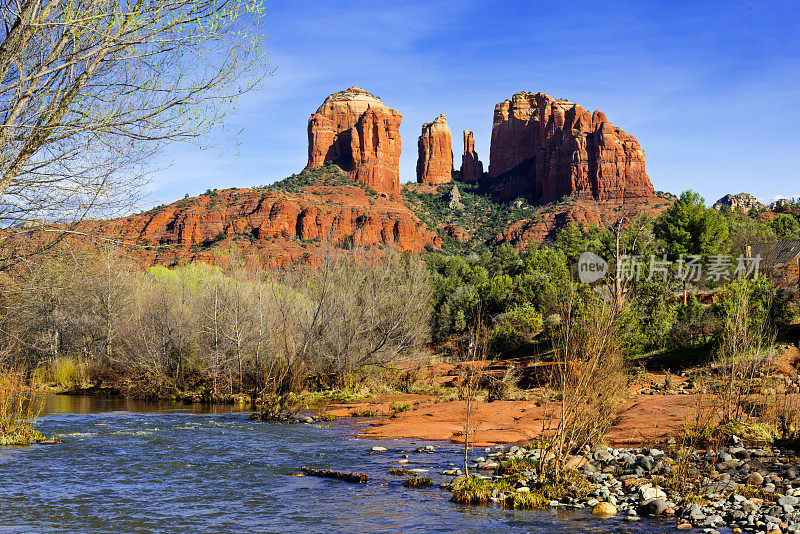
{"x":270,"y":227}
{"x":471,"y":166}
{"x":435,"y":159}
{"x":546,"y":149}
{"x":356,"y":131}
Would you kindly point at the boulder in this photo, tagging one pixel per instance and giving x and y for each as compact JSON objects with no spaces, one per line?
{"x":604,"y":509}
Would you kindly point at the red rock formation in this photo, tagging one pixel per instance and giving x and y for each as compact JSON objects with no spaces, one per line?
{"x":457,"y":233}
{"x":271,"y":227}
{"x":435,"y":159}
{"x":356,"y":131}
{"x":471,"y":166}
{"x":546,"y":148}
{"x":547,"y":220}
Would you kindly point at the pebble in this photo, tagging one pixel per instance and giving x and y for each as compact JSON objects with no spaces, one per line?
{"x":629,"y":481}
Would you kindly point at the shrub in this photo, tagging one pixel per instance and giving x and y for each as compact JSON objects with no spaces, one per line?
{"x":473,"y":490}
{"x":19,"y":408}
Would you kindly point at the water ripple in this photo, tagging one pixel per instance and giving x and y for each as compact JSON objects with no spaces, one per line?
{"x":129,"y":467}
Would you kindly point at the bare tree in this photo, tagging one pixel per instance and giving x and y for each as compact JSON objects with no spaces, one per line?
{"x":589,"y":377}
{"x":90,"y":90}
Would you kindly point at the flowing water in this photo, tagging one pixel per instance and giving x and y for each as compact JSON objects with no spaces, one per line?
{"x":129,"y":466}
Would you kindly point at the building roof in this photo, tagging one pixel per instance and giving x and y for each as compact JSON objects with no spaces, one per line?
{"x":777,"y":253}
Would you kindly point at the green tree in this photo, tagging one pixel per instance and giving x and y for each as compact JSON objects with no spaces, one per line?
{"x":786,"y":226}
{"x":688,"y":227}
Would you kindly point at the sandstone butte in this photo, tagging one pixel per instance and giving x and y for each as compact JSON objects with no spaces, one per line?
{"x":546,"y":149}
{"x":471,"y":167}
{"x":435,"y":159}
{"x":271,"y":228}
{"x":541,"y":148}
{"x":357,"y":132}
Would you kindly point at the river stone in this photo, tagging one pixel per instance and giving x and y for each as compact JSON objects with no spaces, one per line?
{"x":788,"y":500}
{"x":576,"y":462}
{"x":602,"y":455}
{"x":695,"y":514}
{"x":604,"y":509}
{"x":649,"y":492}
{"x":379,"y":449}
{"x":656,"y":506}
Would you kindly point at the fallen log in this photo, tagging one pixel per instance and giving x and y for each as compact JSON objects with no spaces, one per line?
{"x":355,"y":478}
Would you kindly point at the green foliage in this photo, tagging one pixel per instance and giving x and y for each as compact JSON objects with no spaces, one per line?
{"x":513,"y":291}
{"x":515,"y":466}
{"x":769,"y":309}
{"x":515,"y":328}
{"x":482,"y":217}
{"x":648,"y":317}
{"x":570,"y":483}
{"x":786,"y":226}
{"x":747,"y":230}
{"x":473,"y":490}
{"x":688,"y":227}
{"x":329,"y":175}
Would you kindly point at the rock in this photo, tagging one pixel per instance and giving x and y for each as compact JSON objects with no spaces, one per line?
{"x":379,"y":449}
{"x":271,"y":226}
{"x":646,"y":463}
{"x":602,"y":455}
{"x":457,"y":233}
{"x":656,"y":506}
{"x":781,"y":202}
{"x":649,"y":492}
{"x":455,"y":199}
{"x":741,"y":202}
{"x":604,"y":509}
{"x":547,"y":149}
{"x":360,"y":134}
{"x":576,"y":462}
{"x":435,"y":156}
{"x":471,"y":166}
{"x":788,"y":500}
{"x":754,"y":479}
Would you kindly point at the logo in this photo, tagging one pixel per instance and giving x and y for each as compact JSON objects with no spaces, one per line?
{"x":591,"y":268}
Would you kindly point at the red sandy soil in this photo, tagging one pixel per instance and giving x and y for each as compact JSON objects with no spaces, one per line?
{"x":642,"y":419}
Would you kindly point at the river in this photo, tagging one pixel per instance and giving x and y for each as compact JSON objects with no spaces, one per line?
{"x":135,"y":467}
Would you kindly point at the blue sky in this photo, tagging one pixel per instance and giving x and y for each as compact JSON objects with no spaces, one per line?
{"x":710,"y":89}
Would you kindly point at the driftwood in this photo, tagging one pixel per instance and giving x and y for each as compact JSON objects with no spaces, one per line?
{"x":356,"y":478}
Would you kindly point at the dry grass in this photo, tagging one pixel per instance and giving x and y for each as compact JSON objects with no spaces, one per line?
{"x":61,"y":372}
{"x":19,"y":408}
{"x":418,"y":482}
